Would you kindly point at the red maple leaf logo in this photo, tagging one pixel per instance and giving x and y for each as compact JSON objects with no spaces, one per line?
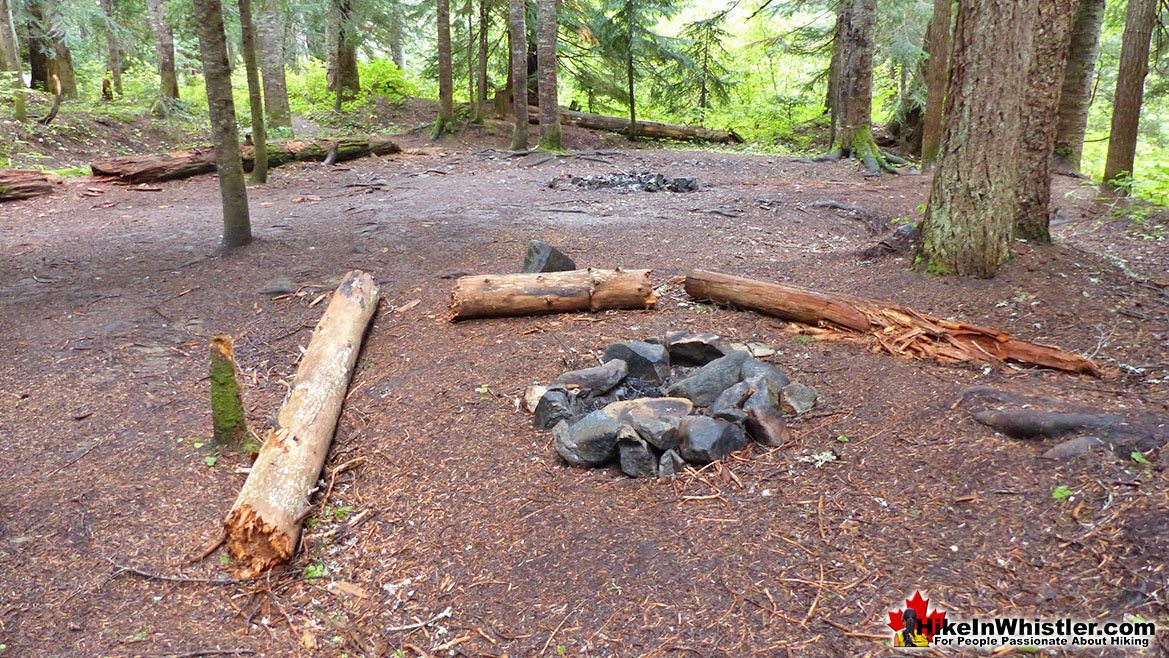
{"x":931,"y":621}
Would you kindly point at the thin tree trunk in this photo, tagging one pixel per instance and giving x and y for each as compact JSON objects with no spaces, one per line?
{"x":1130,"y":90}
{"x":164,"y":49}
{"x":629,"y":72}
{"x":446,"y":92}
{"x":855,"y":100}
{"x":39,"y":46}
{"x":397,"y":52}
{"x":969,"y":222}
{"x":517,"y":30}
{"x":832,"y":95}
{"x":547,"y":27}
{"x":482,"y":72}
{"x":113,"y":52}
{"x":237,"y":229}
{"x":1076,"y":97}
{"x":341,"y":72}
{"x":255,"y":96}
{"x":1045,"y":80}
{"x":937,"y":79}
{"x":474,"y":110}
{"x":10,"y":61}
{"x":270,"y":42}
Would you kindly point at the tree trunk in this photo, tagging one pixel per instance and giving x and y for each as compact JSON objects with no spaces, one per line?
{"x":342,"y":75}
{"x":517,"y":34}
{"x":491,"y":296}
{"x":969,"y":222}
{"x":1076,"y":96}
{"x":855,"y":101}
{"x":10,"y":61}
{"x":547,"y":26}
{"x":39,"y":46}
{"x":1130,"y":90}
{"x":228,"y":419}
{"x":653,"y":129}
{"x":446,"y":102}
{"x":832,"y":94}
{"x":264,"y":523}
{"x":270,"y":33}
{"x":630,"y":72}
{"x":61,"y":66}
{"x":183,"y":164}
{"x":474,"y":109}
{"x":255,"y":97}
{"x":237,"y":229}
{"x":898,"y":330}
{"x":1044,"y":81}
{"x":937,"y":78}
{"x":164,"y":49}
{"x":397,"y":49}
{"x":113,"y":51}
{"x":482,"y":64}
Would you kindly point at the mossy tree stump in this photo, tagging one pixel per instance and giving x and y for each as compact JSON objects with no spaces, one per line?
{"x":227,"y":407}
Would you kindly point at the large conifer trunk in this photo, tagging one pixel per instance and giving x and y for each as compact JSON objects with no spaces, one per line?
{"x":1130,"y":89}
{"x":970,"y":220}
{"x":270,"y":31}
{"x":341,"y":72}
{"x":855,"y":84}
{"x":547,"y":26}
{"x":518,"y":40}
{"x":1076,"y":96}
{"x":446,"y":103}
{"x":937,"y":79}
{"x":164,"y":48}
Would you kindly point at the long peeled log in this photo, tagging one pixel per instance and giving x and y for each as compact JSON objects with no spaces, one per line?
{"x":264,"y":523}
{"x":183,"y":164}
{"x":897,"y":330}
{"x":497,"y":295}
{"x":654,"y":129}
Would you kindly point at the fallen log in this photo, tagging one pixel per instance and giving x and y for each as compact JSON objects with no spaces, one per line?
{"x":18,"y":184}
{"x":491,"y":295}
{"x":654,"y":129}
{"x":264,"y":523}
{"x":897,"y":330}
{"x":183,"y":164}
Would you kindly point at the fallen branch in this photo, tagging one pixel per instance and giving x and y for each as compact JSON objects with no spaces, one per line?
{"x":183,"y":164}
{"x":264,"y":523}
{"x":489,"y":295}
{"x":413,"y":627}
{"x":897,"y":330}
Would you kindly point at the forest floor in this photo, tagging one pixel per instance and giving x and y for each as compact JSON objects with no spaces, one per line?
{"x":444,"y":498}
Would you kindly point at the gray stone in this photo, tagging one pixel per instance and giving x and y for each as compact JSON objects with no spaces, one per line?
{"x":598,"y":379}
{"x":553,"y":407}
{"x":705,"y":439}
{"x":687,"y":349}
{"x":543,"y":257}
{"x":773,"y":375}
{"x":731,"y":415}
{"x":704,"y":385}
{"x":730,"y":400}
{"x":637,"y":460}
{"x":654,"y":419}
{"x":532,"y":397}
{"x":766,"y":426}
{"x":645,"y":360}
{"x":591,"y":441}
{"x":670,"y":464}
{"x":797,"y":398}
{"x":281,"y":285}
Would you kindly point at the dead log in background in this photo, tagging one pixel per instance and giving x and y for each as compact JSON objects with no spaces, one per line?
{"x":264,"y":524}
{"x":183,"y":164}
{"x":22,"y":184}
{"x":491,"y":295}
{"x":897,"y":330}
{"x":654,"y":129}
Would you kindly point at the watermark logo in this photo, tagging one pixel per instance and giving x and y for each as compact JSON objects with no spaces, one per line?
{"x":915,"y":625}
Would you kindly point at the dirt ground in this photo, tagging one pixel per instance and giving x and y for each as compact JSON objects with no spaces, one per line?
{"x":447,"y":505}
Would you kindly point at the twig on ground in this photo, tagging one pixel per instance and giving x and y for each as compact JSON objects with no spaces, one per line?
{"x":150,"y":575}
{"x":413,"y":627}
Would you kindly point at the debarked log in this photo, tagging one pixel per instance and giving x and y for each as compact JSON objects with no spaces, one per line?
{"x":264,"y":523}
{"x":183,"y":164}
{"x":898,"y":330}
{"x":492,"y":295}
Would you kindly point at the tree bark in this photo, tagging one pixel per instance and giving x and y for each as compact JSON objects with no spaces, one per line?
{"x":255,"y":97}
{"x":630,"y":72}
{"x":969,"y":222}
{"x":397,"y":50}
{"x":517,"y":33}
{"x":1076,"y":96}
{"x":490,"y":296}
{"x":937,"y":80}
{"x":264,"y":523}
{"x":228,"y":419}
{"x":164,"y":49}
{"x":446,"y":104}
{"x":482,"y":63}
{"x":10,"y":61}
{"x":548,"y":24}
{"x":113,"y":51}
{"x":16,"y":184}
{"x":183,"y":164}
{"x":50,"y":38}
{"x":341,"y":72}
{"x":652,"y":129}
{"x":1044,"y":82}
{"x":237,"y":229}
{"x":1130,"y":89}
{"x":855,"y":86}
{"x":897,"y":330}
{"x":270,"y":30}
{"x":39,"y":45}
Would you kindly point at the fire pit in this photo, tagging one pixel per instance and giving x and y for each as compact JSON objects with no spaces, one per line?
{"x":654,"y":406}
{"x":629,"y":181}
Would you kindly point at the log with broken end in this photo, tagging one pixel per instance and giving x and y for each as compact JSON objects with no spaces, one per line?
{"x":894,"y":329}
{"x":183,"y":164}
{"x":264,"y":523}
{"x":498,"y":295}
{"x":18,"y":184}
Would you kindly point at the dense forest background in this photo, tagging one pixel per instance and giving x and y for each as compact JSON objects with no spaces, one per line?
{"x":759,"y":68}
